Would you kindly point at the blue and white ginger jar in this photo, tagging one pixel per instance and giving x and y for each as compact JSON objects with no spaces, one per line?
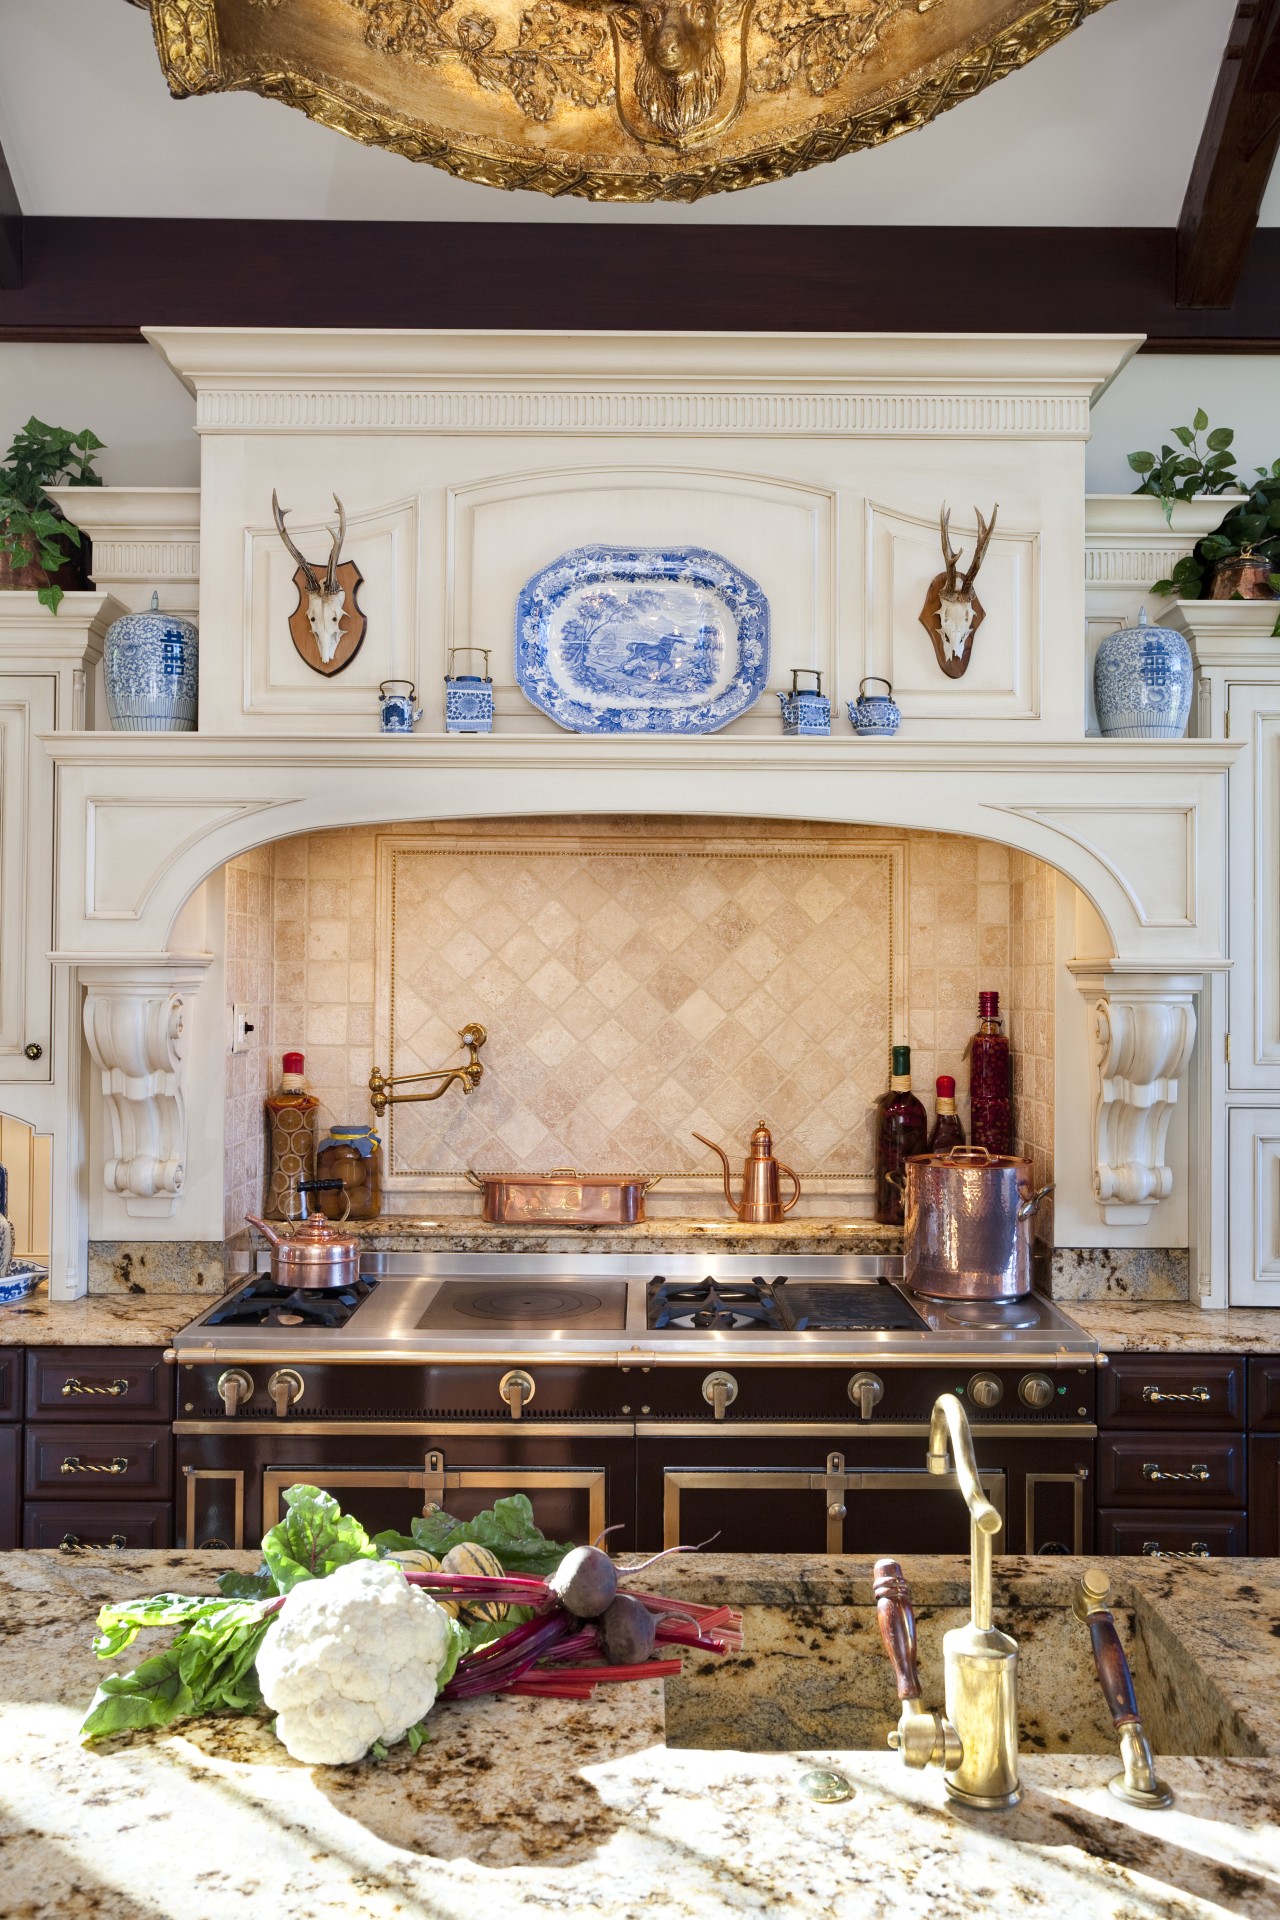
{"x":1142,"y":681}
{"x":150,"y":664}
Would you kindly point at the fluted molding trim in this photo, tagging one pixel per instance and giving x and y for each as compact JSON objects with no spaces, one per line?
{"x":146,"y":559}
{"x":318,"y":409}
{"x":136,"y":1021}
{"x":1144,"y":1028}
{"x":1131,"y":566}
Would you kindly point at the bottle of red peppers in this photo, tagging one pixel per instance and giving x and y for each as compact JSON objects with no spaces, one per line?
{"x":990,"y":1080}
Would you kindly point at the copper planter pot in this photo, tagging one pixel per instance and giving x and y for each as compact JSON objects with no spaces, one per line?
{"x":969,"y":1225}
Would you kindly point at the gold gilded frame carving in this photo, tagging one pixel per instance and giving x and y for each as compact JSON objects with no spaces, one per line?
{"x":611,"y":100}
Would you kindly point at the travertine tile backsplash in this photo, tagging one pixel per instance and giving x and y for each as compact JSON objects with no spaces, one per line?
{"x":779,"y":990}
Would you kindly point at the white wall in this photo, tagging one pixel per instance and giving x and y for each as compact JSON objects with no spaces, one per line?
{"x":145,"y":415}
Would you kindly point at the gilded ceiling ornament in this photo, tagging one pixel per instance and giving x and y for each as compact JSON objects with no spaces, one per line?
{"x":611,"y":99}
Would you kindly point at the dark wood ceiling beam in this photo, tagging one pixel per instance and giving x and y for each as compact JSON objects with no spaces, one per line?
{"x":107,"y":279}
{"x":1234,"y":160}
{"x":10,"y":230}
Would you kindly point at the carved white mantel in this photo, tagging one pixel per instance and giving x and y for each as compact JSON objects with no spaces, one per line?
{"x":136,"y":1021}
{"x":1144,"y":1029}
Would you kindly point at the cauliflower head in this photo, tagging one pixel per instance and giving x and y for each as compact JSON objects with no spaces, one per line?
{"x":352,"y":1659}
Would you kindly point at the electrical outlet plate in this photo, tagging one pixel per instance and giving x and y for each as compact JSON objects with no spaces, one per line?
{"x":243,"y":1024}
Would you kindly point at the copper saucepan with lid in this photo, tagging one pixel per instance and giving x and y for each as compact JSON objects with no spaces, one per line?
{"x":312,"y":1253}
{"x":969,"y":1224}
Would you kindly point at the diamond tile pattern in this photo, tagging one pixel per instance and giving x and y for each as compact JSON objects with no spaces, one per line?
{"x":635,"y":994}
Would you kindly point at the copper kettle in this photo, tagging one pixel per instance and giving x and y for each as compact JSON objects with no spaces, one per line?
{"x":761,"y":1202}
{"x":311,"y":1254}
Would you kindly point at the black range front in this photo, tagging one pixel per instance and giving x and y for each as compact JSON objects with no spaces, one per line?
{"x":798,"y":1457}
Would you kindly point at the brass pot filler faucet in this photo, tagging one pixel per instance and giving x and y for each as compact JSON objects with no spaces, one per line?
{"x":975,"y":1740}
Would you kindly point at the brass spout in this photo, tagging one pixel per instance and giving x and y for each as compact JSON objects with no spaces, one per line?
{"x":980,"y":1662}
{"x":472,"y":1036}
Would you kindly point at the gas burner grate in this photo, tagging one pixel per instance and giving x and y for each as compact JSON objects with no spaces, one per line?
{"x":722,"y":1306}
{"x":264,"y":1304}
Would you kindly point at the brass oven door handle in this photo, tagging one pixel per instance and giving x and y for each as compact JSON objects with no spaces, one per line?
{"x":1150,"y":1471}
{"x":1157,"y":1397}
{"x":74,"y":1464}
{"x":76,"y":1385}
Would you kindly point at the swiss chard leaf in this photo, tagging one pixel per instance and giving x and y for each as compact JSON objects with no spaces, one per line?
{"x":248,"y":1586}
{"x":209,"y":1667}
{"x":313,"y":1539}
{"x":150,"y":1696}
{"x":507,"y":1528}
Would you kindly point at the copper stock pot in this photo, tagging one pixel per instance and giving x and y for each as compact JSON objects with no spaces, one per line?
{"x":969,"y":1224}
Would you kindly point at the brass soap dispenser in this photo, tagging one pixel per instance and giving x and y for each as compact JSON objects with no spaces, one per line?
{"x":761,"y":1202}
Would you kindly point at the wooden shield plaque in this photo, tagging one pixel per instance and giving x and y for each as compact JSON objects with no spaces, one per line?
{"x":351,"y":632}
{"x":954,"y":669}
{"x":612,"y":99}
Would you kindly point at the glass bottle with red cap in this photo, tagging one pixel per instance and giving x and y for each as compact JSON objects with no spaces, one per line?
{"x":947,"y":1130}
{"x":990,"y":1080}
{"x":291,"y":1116}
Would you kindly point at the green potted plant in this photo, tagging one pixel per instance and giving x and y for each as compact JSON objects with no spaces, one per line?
{"x":1238,"y":559}
{"x":39,"y":546}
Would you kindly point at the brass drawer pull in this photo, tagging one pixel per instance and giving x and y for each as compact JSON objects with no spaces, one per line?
{"x":75,"y":1385}
{"x":1150,"y":1471}
{"x":1154,"y":1551}
{"x":1157,"y":1397}
{"x":72,"y":1543}
{"x":74,"y":1464}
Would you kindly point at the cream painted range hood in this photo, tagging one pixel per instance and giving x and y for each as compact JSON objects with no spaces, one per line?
{"x":467,"y":460}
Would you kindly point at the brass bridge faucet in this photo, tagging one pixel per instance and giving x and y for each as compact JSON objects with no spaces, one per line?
{"x":976,"y":1741}
{"x":472,"y":1036}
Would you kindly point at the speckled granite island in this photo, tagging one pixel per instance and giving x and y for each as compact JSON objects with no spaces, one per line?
{"x":636,"y":1805}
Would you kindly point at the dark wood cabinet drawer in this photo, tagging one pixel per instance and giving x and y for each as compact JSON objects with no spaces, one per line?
{"x":1171,"y":1470}
{"x":98,"y":1463}
{"x":11,"y":1383}
{"x":98,"y":1383}
{"x":10,"y":1485}
{"x":1130,"y":1531}
{"x":1264,"y":1495}
{"x":1204,"y":1393}
{"x":1264,"y":1394}
{"x":97,"y":1523}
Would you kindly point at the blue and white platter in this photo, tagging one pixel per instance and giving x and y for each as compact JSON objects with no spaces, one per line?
{"x":642,"y":640}
{"x":21,"y":1281}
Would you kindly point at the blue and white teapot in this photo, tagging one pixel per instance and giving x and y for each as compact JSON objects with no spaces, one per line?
{"x":874,"y":715}
{"x":805,"y":709}
{"x":396,"y":710}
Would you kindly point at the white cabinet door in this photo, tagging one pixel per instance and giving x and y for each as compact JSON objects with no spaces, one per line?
{"x":1253,"y":814}
{"x":27,"y":708}
{"x":1253,"y":1213}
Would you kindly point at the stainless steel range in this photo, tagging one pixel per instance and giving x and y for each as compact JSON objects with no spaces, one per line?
{"x":776,"y":1402}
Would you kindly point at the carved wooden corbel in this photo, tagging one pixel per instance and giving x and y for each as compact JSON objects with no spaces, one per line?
{"x":136,"y":1021}
{"x":1144,"y":1026}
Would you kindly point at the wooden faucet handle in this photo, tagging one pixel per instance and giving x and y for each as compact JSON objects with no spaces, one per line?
{"x":1113,"y":1669}
{"x":897,"y":1625}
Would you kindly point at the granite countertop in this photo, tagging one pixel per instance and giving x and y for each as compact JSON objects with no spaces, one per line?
{"x":100,"y":1320}
{"x":1174,"y":1326}
{"x":468,"y":1233}
{"x":541,"y":1808}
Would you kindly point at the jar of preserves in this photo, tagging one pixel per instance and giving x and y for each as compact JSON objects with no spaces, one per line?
{"x":352,"y":1155}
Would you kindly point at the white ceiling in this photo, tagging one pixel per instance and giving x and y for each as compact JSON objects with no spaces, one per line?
{"x":1101,"y":131}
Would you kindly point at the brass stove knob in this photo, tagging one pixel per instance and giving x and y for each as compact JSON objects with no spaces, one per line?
{"x":866,"y":1390}
{"x":1035,"y":1390}
{"x":986,"y":1390}
{"x":285,"y":1386}
{"x":517,"y":1389}
{"x":719,"y":1390}
{"x":235,"y":1387}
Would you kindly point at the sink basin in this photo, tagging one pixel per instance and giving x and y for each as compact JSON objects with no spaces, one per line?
{"x":815,"y":1676}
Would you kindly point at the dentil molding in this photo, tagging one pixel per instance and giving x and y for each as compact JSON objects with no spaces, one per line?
{"x":1144,"y":1027}
{"x":136,"y":1022}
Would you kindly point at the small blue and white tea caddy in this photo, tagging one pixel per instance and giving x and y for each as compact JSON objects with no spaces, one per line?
{"x":1142,"y":682}
{"x":396,"y":711}
{"x":805,"y":709}
{"x":468,"y":697}
{"x":150,"y":669}
{"x":876,"y":716}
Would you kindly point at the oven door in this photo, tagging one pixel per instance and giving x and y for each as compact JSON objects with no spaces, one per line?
{"x":773,"y":1491}
{"x":579,"y":1479}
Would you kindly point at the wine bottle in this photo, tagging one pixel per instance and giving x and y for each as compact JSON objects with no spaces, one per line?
{"x":990,"y":1080}
{"x":902,"y":1128}
{"x":947,"y":1130}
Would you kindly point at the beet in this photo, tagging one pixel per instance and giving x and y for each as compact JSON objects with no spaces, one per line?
{"x":585,"y":1582}
{"x":628,"y":1631}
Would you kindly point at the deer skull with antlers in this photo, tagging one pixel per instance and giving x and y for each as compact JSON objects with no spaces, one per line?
{"x":326,"y":600}
{"x":952,"y":612}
